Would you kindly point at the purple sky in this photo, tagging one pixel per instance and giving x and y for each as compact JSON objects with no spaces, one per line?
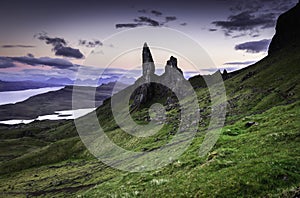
{"x":49,"y":38}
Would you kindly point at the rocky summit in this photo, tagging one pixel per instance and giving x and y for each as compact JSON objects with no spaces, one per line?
{"x":151,"y":84}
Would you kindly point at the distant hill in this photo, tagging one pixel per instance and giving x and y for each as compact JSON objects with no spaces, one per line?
{"x":23,"y":85}
{"x":52,"y":101}
{"x":59,"y":81}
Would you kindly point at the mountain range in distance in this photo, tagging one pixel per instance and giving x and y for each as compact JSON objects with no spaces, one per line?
{"x":50,"y":102}
{"x":58,"y":82}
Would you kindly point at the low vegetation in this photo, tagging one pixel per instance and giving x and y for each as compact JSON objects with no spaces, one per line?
{"x":257,"y":154}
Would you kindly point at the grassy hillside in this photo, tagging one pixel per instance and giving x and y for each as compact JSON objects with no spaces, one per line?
{"x":48,"y":159}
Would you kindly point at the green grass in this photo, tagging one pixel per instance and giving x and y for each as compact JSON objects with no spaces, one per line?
{"x":48,"y":159}
{"x":256,"y":162}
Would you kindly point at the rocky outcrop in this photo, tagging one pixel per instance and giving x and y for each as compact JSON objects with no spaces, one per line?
{"x":171,"y":65}
{"x":287,"y":30}
{"x":148,"y":64}
{"x":173,"y":76}
{"x":151,"y":85}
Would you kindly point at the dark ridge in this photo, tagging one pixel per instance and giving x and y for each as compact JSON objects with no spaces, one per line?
{"x":287,"y":30}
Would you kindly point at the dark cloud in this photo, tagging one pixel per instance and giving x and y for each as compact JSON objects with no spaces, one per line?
{"x":254,"y":46}
{"x":56,"y":42}
{"x":92,"y":44}
{"x":30,"y":55}
{"x":97,"y":52}
{"x":142,"y":11}
{"x":250,"y":17}
{"x":156,"y":13}
{"x":128,"y":25}
{"x":69,"y":52}
{"x":17,"y":46}
{"x":147,"y":21}
{"x":6,"y":62}
{"x":263,"y":5}
{"x":246,"y":21}
{"x":240,"y":35}
{"x":170,"y":18}
{"x":54,"y":62}
{"x":59,"y":46}
{"x":140,"y":21}
{"x":252,"y":6}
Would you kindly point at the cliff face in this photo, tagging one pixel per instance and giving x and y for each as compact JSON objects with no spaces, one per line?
{"x":287,"y":30}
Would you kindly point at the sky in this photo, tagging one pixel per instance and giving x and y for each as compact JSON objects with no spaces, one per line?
{"x":43,"y":39}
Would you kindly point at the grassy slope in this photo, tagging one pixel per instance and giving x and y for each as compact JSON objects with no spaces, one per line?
{"x":261,"y":160}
